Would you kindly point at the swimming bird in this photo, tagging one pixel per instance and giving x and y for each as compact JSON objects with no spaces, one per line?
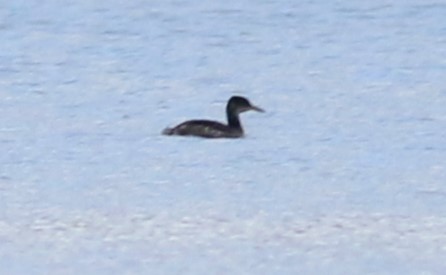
{"x":214,"y":129}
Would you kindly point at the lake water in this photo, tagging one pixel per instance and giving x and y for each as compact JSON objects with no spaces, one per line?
{"x":344,"y":174}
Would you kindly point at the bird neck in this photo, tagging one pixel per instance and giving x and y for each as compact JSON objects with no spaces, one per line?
{"x":233,"y":119}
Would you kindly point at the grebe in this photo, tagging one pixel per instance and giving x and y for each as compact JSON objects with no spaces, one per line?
{"x":214,"y":129}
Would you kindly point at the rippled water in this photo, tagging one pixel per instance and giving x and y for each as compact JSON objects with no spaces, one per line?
{"x":344,"y":174}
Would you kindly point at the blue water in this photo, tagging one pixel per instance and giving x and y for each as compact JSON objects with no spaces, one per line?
{"x":344,"y":174}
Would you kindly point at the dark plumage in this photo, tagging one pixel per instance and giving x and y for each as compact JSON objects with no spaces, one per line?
{"x":214,"y":129}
